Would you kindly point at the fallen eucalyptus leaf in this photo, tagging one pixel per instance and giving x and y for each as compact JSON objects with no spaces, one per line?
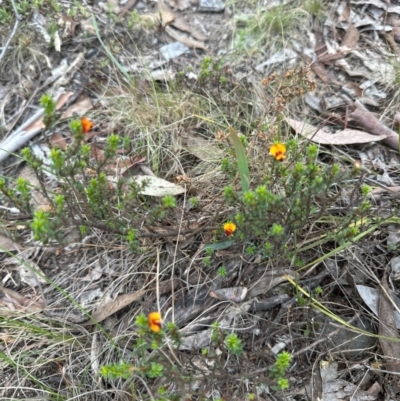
{"x":344,"y":137}
{"x":157,"y":186}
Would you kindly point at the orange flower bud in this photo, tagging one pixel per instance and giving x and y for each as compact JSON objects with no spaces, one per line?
{"x":155,"y":321}
{"x":87,"y":125}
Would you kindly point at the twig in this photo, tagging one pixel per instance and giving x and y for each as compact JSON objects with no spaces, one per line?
{"x":14,"y":31}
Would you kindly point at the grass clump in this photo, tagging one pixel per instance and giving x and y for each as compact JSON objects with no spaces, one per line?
{"x":315,"y":8}
{"x":138,"y":23}
{"x":255,"y":30}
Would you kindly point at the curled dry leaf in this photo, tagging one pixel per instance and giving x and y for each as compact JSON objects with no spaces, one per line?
{"x":194,"y":44}
{"x":343,"y":137}
{"x":12,"y":303}
{"x":181,"y":24}
{"x":362,"y":116}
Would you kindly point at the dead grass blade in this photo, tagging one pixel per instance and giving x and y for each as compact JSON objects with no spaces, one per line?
{"x":241,"y":160}
{"x":113,"y":59}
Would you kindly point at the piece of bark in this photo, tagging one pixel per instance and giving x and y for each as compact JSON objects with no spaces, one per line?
{"x":269,"y":303}
{"x":232,"y":294}
{"x":387,"y":328}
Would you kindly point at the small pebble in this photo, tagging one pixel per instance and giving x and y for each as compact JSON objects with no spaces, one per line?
{"x":173,"y":50}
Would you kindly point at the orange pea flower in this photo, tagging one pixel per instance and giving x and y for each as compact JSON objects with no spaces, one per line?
{"x":87,"y":125}
{"x":278,"y":151}
{"x":229,"y":228}
{"x":155,"y":321}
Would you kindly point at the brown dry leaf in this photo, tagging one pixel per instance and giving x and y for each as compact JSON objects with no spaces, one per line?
{"x":96,"y":152}
{"x":58,"y":141}
{"x":353,"y":88}
{"x":114,"y":306}
{"x":78,"y":109}
{"x":70,"y":23}
{"x":387,"y":328}
{"x":319,"y":69}
{"x":191,"y":43}
{"x":320,"y":46}
{"x":63,"y":98}
{"x":344,"y":137}
{"x":127,"y":7}
{"x":12,"y":303}
{"x":6,"y":244}
{"x":369,"y":122}
{"x":349,"y":43}
{"x":350,"y":39}
{"x":346,"y":12}
{"x":164,"y":16}
{"x":392,"y":43}
{"x":39,"y":200}
{"x":129,"y":165}
{"x":181,"y":24}
{"x":124,"y":300}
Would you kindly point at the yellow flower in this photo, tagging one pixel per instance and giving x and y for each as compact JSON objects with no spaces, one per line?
{"x":155,"y":321}
{"x":229,"y":228}
{"x":278,"y":151}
